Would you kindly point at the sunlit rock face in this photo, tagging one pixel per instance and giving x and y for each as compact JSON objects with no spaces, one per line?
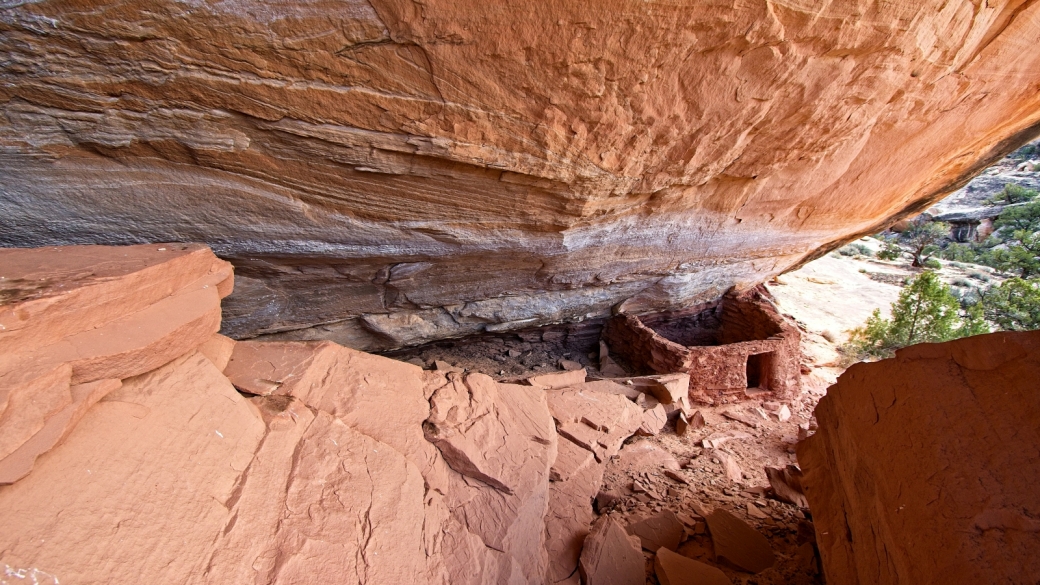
{"x":390,"y":172}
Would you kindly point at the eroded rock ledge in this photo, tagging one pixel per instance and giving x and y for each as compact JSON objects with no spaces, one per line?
{"x":383,"y":173}
{"x":925,"y":466}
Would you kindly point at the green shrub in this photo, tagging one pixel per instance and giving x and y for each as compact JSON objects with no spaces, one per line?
{"x":979,"y":275}
{"x":1012,"y":193}
{"x":958,"y":253}
{"x":1013,"y":305}
{"x":932,"y":263}
{"x":855,"y":249}
{"x":926,"y":311}
{"x":890,"y":251}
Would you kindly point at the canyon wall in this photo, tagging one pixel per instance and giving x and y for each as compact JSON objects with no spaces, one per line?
{"x":925,"y":466}
{"x":390,"y":172}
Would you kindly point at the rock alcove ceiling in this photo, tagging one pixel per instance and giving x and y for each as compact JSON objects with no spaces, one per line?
{"x":387,"y":173}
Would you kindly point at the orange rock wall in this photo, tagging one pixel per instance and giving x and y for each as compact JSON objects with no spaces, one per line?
{"x":383,"y":173}
{"x":925,"y":467}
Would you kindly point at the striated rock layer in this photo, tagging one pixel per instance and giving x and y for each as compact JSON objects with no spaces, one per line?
{"x":925,"y":467}
{"x":387,"y":172}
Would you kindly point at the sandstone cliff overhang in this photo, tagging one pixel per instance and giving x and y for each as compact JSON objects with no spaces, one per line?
{"x":384,"y":173}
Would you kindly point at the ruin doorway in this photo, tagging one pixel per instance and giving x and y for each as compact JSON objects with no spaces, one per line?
{"x":759,"y":369}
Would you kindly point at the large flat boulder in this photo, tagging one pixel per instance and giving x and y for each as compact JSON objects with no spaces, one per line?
{"x":924,"y":468}
{"x":73,"y":316}
{"x":142,"y":487}
{"x":501,"y":439}
{"x":569,"y":518}
{"x":597,"y":421}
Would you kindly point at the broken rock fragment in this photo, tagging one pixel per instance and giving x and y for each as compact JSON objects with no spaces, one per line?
{"x":741,"y":417}
{"x":730,"y":468}
{"x":697,"y":421}
{"x":674,"y":569}
{"x":570,"y":365}
{"x":661,"y":530}
{"x":611,"y":556}
{"x":714,"y":440}
{"x":442,"y":366}
{"x":19,"y":463}
{"x":568,"y":518}
{"x":681,"y":425}
{"x":787,"y":485}
{"x":654,"y":419}
{"x":739,"y":544}
{"x":642,"y":455}
{"x":610,"y":368}
{"x":558,"y":380}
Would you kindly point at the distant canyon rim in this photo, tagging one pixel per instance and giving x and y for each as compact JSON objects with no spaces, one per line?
{"x":388,"y":173}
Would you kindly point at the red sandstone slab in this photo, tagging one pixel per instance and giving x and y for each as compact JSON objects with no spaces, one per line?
{"x":51,"y":293}
{"x":143,"y":482}
{"x":29,"y":397}
{"x":661,"y":530}
{"x":570,"y":460}
{"x":674,"y":569}
{"x":378,"y":396}
{"x":20,"y":462}
{"x":568,"y":519}
{"x":294,"y":369}
{"x":491,"y":432}
{"x":558,"y":380}
{"x":739,"y":544}
{"x":667,"y":388}
{"x":605,"y":412}
{"x":936,"y":448}
{"x":611,"y":556}
{"x":79,"y":314}
{"x":141,"y":341}
{"x":218,"y":349}
{"x":609,"y":387}
{"x":500,"y":438}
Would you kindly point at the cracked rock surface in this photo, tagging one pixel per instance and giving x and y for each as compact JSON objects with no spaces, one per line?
{"x":935,"y":447}
{"x":383,"y":173}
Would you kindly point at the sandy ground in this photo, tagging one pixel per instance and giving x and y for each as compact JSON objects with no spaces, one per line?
{"x":835,"y":295}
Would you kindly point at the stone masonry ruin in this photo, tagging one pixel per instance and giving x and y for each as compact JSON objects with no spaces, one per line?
{"x":734,"y":349}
